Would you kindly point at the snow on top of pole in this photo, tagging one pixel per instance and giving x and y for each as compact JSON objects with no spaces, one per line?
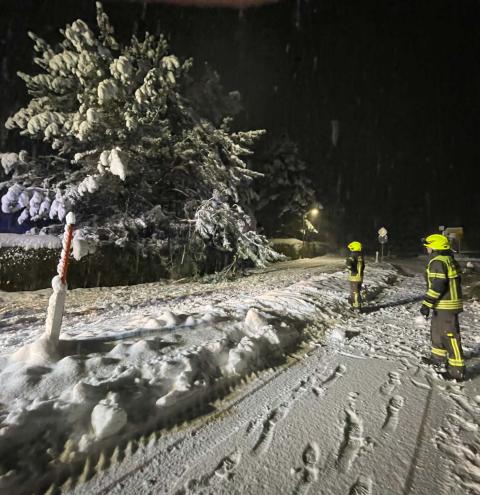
{"x":70,"y":218}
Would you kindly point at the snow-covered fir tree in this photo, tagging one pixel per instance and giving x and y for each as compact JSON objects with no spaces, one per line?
{"x":230,"y":229}
{"x":132,"y":156}
{"x":209,"y":97}
{"x":284,"y":191}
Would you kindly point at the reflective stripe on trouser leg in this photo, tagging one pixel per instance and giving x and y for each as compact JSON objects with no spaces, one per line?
{"x":355,"y":296}
{"x":450,"y":327}
{"x":455,"y":357}
{"x":356,"y":304}
{"x":438,"y":356}
{"x":438,"y":353}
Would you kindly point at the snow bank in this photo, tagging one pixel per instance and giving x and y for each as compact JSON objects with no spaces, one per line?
{"x":42,"y":352}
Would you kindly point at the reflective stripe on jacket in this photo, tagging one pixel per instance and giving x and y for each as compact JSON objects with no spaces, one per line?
{"x":444,"y":286}
{"x":356,"y":266}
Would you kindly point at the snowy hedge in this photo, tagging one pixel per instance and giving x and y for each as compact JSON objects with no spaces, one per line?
{"x":27,"y":268}
{"x":32,"y":269}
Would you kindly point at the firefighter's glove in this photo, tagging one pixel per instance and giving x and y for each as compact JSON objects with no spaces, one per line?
{"x":425,"y":310}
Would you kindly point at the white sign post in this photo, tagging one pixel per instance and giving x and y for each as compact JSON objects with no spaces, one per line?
{"x":382,"y":238}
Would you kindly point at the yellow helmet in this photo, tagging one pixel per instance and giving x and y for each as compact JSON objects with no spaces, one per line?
{"x":437,"y":242}
{"x":355,"y":246}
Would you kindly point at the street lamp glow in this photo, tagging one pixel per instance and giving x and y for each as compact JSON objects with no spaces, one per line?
{"x":314,"y":212}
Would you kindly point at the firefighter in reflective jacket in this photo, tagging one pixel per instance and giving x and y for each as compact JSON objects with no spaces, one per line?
{"x":444,"y":300}
{"x":356,"y":266}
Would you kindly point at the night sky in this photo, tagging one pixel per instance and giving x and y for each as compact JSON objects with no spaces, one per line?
{"x":401,"y":78}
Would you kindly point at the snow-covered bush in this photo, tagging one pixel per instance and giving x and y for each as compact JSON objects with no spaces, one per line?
{"x":132,"y":155}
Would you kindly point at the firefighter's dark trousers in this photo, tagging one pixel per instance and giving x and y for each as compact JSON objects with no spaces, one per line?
{"x":355,"y":298}
{"x":446,"y":342}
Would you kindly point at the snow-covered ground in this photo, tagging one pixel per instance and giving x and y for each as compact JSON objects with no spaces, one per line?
{"x":265,"y":385}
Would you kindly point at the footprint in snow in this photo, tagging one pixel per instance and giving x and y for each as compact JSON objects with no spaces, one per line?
{"x":301,"y":387}
{"x":320,"y":389}
{"x":468,"y":406}
{"x":420,"y":384}
{"x":227,"y":465}
{"x":224,"y":470}
{"x":363,"y":486}
{"x":309,"y":471}
{"x":340,"y":370}
{"x":352,"y":442}
{"x":389,"y":386}
{"x":269,"y":424}
{"x":393,"y":409}
{"x":251,"y":425}
{"x":464,"y":424}
{"x":406,"y":363}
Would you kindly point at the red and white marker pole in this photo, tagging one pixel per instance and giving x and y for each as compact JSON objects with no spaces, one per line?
{"x":56,"y":303}
{"x":66,"y":246}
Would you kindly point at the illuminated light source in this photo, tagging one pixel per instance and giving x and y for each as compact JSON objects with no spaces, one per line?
{"x":314,"y":211}
{"x":307,"y":226}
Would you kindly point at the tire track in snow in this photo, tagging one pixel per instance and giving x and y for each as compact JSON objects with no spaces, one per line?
{"x":411,"y":472}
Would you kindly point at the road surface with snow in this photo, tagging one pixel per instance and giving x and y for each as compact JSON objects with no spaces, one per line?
{"x":267,"y":385}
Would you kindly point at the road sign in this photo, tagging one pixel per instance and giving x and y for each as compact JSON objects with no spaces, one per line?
{"x":455,"y":232}
{"x":382,"y":239}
